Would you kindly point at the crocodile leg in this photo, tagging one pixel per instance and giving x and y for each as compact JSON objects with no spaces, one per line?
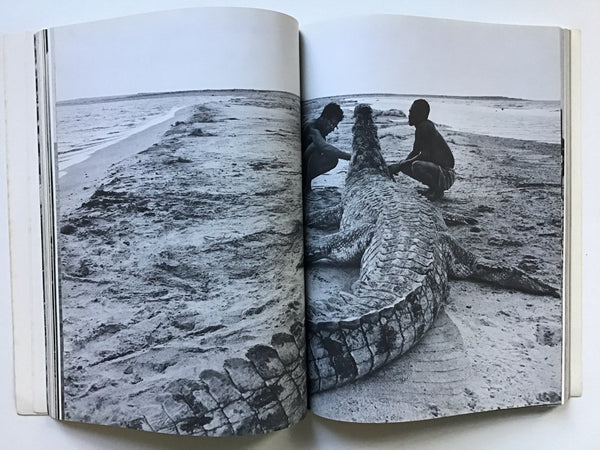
{"x":511,"y":277}
{"x":464,"y":264}
{"x":325,"y":219}
{"x":343,"y":247}
{"x":454,"y":219}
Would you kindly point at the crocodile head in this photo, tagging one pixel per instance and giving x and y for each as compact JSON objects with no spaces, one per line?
{"x":366,"y":151}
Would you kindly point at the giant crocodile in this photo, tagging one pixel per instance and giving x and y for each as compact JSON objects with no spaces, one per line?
{"x":406,"y":257}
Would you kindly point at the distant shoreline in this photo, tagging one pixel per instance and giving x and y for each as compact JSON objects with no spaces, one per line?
{"x":145,"y":95}
{"x":454,"y":97}
{"x":82,"y":153}
{"x":535,"y":121}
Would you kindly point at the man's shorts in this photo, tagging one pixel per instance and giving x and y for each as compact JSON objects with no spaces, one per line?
{"x":445,"y":178}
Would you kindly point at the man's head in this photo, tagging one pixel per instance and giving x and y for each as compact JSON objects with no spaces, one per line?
{"x":330,"y":117}
{"x":419,"y":111}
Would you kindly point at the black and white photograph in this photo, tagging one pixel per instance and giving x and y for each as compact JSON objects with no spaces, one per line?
{"x":180,"y":222}
{"x":278,"y":224}
{"x":434,"y":218}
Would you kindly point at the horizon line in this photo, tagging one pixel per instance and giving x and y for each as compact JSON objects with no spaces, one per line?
{"x":116,"y":97}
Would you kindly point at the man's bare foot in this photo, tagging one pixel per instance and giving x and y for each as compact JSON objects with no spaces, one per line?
{"x":434,"y":195}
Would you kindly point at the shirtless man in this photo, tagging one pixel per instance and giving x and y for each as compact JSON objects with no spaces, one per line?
{"x":318,"y":156}
{"x":431,"y":161}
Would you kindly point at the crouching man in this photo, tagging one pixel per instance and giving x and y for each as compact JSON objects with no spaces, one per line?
{"x":431,"y":161}
{"x":318,"y":156}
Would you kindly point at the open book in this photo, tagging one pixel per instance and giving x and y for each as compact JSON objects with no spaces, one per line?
{"x":234,"y":231}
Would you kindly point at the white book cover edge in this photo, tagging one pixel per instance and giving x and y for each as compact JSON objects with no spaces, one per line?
{"x":20,"y":140}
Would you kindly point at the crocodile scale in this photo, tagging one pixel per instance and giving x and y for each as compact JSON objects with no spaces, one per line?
{"x":406,"y":258}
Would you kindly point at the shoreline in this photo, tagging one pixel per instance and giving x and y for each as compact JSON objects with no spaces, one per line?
{"x":456,"y":115}
{"x":80,"y":155}
{"x":81,"y":179}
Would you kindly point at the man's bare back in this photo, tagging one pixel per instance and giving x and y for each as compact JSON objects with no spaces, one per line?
{"x":318,"y":156}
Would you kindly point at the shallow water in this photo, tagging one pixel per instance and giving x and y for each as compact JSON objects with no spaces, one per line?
{"x":508,"y":118}
{"x":86,"y":126}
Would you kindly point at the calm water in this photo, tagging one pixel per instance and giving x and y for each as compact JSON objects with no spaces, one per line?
{"x":519,"y":119}
{"x":85,"y":127}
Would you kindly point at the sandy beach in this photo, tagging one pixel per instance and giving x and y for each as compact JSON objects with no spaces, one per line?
{"x":183,"y":254}
{"x":490,"y":348}
{"x":80,"y":180}
{"x":181,"y":247}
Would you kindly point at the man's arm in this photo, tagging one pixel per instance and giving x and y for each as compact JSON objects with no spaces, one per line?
{"x":411,"y":157}
{"x":396,"y":167}
{"x":306,"y":138}
{"x":414,"y":153}
{"x":319,"y":141}
{"x":421,"y":147}
{"x":434,"y":147}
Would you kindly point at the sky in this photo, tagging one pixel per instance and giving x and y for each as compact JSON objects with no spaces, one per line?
{"x":190,"y":49}
{"x":242,"y":48}
{"x":411,"y":55}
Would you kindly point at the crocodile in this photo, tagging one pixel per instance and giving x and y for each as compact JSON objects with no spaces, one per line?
{"x":406,"y":257}
{"x":261,"y":391}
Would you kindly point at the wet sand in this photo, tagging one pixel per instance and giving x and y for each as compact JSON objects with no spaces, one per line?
{"x":183,"y":254}
{"x":80,"y":180}
{"x":490,"y":348}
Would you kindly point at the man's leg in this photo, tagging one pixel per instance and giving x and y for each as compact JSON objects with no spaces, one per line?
{"x":316,"y":164}
{"x":399,"y":167}
{"x":429,"y":174}
{"x":426,"y":172}
{"x":306,"y":164}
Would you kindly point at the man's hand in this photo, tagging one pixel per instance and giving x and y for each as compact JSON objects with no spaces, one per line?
{"x":327,"y":149}
{"x":395,"y":168}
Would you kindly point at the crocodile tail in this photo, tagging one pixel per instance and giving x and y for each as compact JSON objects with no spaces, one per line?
{"x":263,"y":391}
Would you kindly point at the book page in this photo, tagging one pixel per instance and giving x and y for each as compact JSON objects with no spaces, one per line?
{"x":18,"y":123}
{"x":178,"y":185}
{"x":434,"y":235}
